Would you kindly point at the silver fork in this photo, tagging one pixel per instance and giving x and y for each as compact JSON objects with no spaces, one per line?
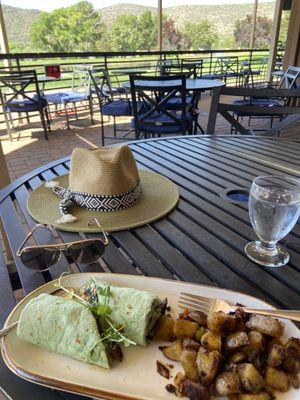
{"x":207,"y":305}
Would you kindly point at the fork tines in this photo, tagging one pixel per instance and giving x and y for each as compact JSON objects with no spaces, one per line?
{"x":195,"y":302}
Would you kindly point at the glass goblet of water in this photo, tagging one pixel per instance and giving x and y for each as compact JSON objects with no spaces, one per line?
{"x":274,"y":208}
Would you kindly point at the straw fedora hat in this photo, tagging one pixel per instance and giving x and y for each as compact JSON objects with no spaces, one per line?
{"x":107,"y":184}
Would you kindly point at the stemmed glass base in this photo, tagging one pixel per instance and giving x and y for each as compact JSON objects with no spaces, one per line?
{"x":276,"y":256}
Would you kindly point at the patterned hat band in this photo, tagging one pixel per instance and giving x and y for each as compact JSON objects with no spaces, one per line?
{"x":92,"y":202}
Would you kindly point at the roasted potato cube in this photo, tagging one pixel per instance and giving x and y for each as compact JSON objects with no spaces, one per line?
{"x":237,"y":357}
{"x":251,"y":379}
{"x":188,"y":360}
{"x":294,"y":380}
{"x":292,"y":359}
{"x":256,"y":339}
{"x":256,"y":345}
{"x":190,"y":344}
{"x":266,"y":325}
{"x":275,"y":340}
{"x":291,"y":363}
{"x":227,"y":383}
{"x":199,"y":317}
{"x":207,"y":363}
{"x":236,"y":340}
{"x":185,"y":328}
{"x":178,"y":380}
{"x":277,"y":379}
{"x":220,"y":322}
{"x":276,"y":355}
{"x":293,"y":344}
{"x":212,"y":341}
{"x":194,"y":390}
{"x":173,"y":352}
{"x":254,"y":396}
{"x":164,"y":328}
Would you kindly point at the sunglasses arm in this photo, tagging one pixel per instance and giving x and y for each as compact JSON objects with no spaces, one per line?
{"x":95,"y":221}
{"x":19,"y":251}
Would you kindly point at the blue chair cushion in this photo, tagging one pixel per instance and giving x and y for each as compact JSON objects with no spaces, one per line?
{"x":25,"y":105}
{"x":175,"y":102}
{"x":55,"y":98}
{"x":233,"y":74}
{"x":116,"y":108}
{"x":120,"y":90}
{"x":66,"y":97}
{"x":266,"y":103}
{"x":73,"y":97}
{"x":258,"y":102}
{"x":156,"y":123}
{"x":212,"y":76}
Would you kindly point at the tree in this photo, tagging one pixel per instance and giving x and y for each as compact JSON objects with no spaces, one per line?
{"x":172,"y":37}
{"x":243,"y":29}
{"x":147,"y":39}
{"x":123,"y":33}
{"x":75,"y":28}
{"x":202,"y":35}
{"x":131,"y":33}
{"x":284,"y":25}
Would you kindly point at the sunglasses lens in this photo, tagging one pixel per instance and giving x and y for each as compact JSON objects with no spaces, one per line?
{"x":86,"y":252}
{"x":40,"y":259}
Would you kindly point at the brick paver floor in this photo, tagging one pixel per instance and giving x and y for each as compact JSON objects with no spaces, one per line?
{"x":31,"y":150}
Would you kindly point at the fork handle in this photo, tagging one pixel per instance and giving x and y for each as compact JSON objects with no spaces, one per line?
{"x":5,"y":331}
{"x":294,"y":315}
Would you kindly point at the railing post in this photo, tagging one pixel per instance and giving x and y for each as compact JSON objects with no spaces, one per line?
{"x":210,"y":61}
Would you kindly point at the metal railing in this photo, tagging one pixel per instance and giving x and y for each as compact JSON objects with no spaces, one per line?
{"x":118,"y":62}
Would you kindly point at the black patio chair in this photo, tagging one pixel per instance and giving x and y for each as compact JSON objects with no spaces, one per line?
{"x":110,"y":104}
{"x":286,"y":107}
{"x":20,"y":93}
{"x":193,"y":68}
{"x":224,"y":69}
{"x":164,"y":67}
{"x":151,"y":114}
{"x":288,"y":81}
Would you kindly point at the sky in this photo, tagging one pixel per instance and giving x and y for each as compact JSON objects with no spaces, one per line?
{"x":50,"y":5}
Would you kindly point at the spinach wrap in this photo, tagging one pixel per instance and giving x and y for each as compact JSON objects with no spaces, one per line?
{"x":137,"y":311}
{"x":63,"y":326}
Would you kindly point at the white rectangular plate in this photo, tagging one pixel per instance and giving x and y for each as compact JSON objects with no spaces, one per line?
{"x":135,"y":377}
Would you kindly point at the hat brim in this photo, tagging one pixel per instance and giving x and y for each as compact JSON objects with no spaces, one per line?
{"x":159,"y":197}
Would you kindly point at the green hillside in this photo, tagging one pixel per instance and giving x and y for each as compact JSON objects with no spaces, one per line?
{"x":19,"y":20}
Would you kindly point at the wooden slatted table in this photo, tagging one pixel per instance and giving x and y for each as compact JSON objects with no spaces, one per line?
{"x":201,"y":241}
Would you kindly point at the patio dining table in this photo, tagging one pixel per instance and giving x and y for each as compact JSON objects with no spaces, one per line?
{"x":191,"y":84}
{"x":197,"y":86}
{"x":201,"y":241}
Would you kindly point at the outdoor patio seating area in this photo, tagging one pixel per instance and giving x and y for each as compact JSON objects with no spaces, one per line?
{"x":28,"y":149}
{"x":150,"y":201}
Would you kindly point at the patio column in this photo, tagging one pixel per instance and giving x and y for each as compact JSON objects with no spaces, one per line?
{"x":252,"y":38}
{"x":292,"y":49}
{"x":274,"y":38}
{"x":160,"y":22}
{"x":3,"y":38}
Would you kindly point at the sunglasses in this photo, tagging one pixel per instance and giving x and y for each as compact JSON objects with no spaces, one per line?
{"x":42,"y":258}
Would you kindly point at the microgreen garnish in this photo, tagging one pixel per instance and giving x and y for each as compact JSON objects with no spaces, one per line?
{"x":97,"y":298}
